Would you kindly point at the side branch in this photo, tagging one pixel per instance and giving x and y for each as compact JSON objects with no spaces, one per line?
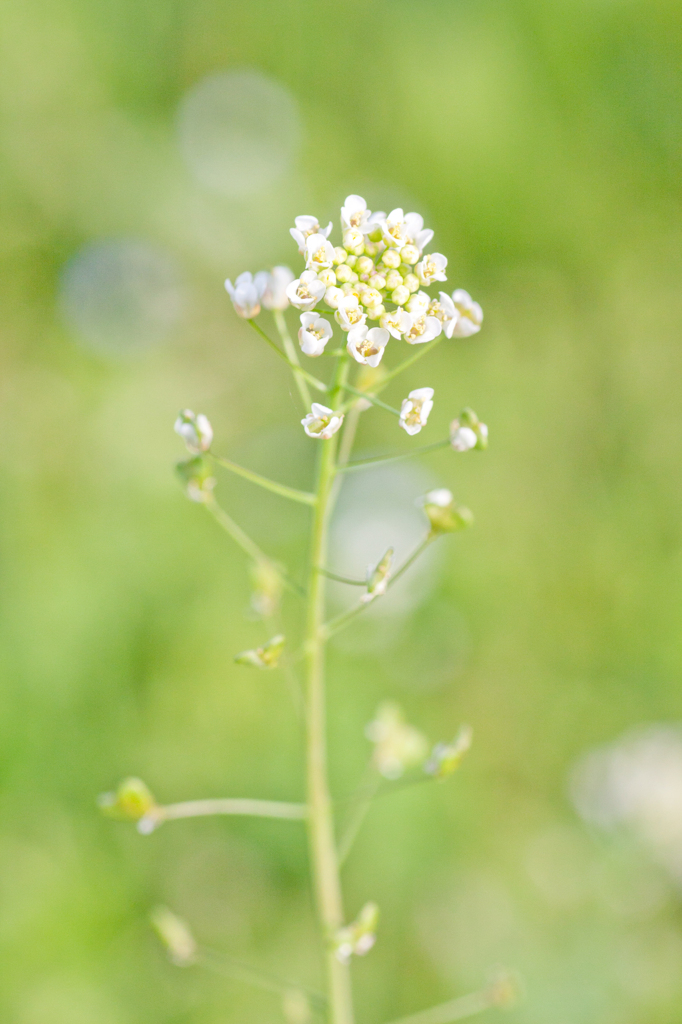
{"x":304,"y":497}
{"x":292,"y":355}
{"x":242,"y":806}
{"x":408,"y":362}
{"x":370,"y":398}
{"x":455,"y":1009}
{"x":296,"y":369}
{"x":369,"y":463}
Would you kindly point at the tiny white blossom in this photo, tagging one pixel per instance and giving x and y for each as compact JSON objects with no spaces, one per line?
{"x":196,"y":431}
{"x":314,"y":333}
{"x":424,"y":328}
{"x":354,"y":214}
{"x":306,"y":291}
{"x":415,"y":410}
{"x":470,"y":314}
{"x":333,"y":296}
{"x":432,"y":268}
{"x":367,"y":346}
{"x":349,"y":313}
{"x":321,"y":422}
{"x":398,"y":746}
{"x":395,"y":230}
{"x":319,"y":253}
{"x":441,"y":497}
{"x":417,"y":234}
{"x":305,"y":226}
{"x":246,"y":294}
{"x":397,"y":322}
{"x":274,"y":285}
{"x":418,"y":304}
{"x":463,"y":439}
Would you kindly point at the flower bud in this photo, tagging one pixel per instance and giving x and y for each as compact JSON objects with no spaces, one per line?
{"x":377,"y":577}
{"x":339,"y":256}
{"x":195,"y":430}
{"x":378,"y":281}
{"x":391,"y":258}
{"x":447,"y":757}
{"x":370,"y":297}
{"x":327,"y":277}
{"x":376,"y":312}
{"x":332,"y":296}
{"x":274,"y":285}
{"x":267,"y":656}
{"x":344,"y":273}
{"x":444,"y":515}
{"x":400,"y":295}
{"x":364,"y":265}
{"x":175,"y":936}
{"x":393,"y":279}
{"x":351,"y":260}
{"x":397,"y":745}
{"x":409,"y":254}
{"x":354,"y":239}
{"x":357,"y":938}
{"x":375,"y":235}
{"x":411,"y":281}
{"x":197,"y":478}
{"x":468,"y":432}
{"x":132,"y":801}
{"x":266,"y":583}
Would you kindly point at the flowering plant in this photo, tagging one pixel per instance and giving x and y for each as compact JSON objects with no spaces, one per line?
{"x":373,"y":289}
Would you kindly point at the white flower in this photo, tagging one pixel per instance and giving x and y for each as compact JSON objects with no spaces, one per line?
{"x":424,"y":328}
{"x":416,"y":232}
{"x":306,"y":291}
{"x":415,"y":410}
{"x":274,"y":284}
{"x":246,"y":294}
{"x":463,"y":439}
{"x":359,"y":937}
{"x":349,"y":313}
{"x":314,"y":333}
{"x":395,"y":230}
{"x":333,"y":295}
{"x":319,"y":253}
{"x":397,"y":322}
{"x":469,"y":315}
{"x":432,"y":268}
{"x":321,"y":422}
{"x":196,"y":431}
{"x":367,"y":346}
{"x":305,"y":226}
{"x":468,"y":432}
{"x":354,"y":214}
{"x":418,"y":304}
{"x":441,"y":497}
{"x":397,"y":745}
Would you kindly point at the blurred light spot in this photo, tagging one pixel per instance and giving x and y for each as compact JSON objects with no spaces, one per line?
{"x":238,"y":131}
{"x":120,"y":295}
{"x":636,"y":783}
{"x":558,"y":861}
{"x":648,"y":966}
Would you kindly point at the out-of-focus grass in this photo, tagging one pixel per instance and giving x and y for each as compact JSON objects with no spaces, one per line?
{"x":543,"y":144}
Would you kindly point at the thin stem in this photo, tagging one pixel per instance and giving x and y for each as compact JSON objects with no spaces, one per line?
{"x":249,"y":546}
{"x":305,"y":497}
{"x":292,"y":354}
{"x":371,"y":398}
{"x":455,"y":1009}
{"x":421,"y":547}
{"x":359,"y":808}
{"x":230,"y":968}
{"x":409,"y":362}
{"x":297,"y":369}
{"x":321,"y":826}
{"x":341,"y":579}
{"x":368,"y":463}
{"x":241,"y":806}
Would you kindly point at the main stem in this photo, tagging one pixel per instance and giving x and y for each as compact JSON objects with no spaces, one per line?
{"x":325,"y":867}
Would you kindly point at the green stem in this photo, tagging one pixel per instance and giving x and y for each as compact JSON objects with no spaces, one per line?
{"x":409,"y":362}
{"x":455,"y":1009}
{"x":241,"y":806}
{"x":325,"y":867}
{"x":292,"y":354}
{"x":229,"y":968}
{"x":305,"y":497}
{"x":341,"y":579}
{"x":359,"y":808}
{"x":370,"y":398}
{"x":297,"y":369}
{"x":421,"y":547}
{"x":351,"y":467}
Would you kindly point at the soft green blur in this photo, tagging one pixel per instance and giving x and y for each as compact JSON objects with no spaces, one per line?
{"x":543,"y":142}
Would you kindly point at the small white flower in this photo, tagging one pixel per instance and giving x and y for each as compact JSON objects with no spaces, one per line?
{"x":467,"y":432}
{"x":306,"y":291}
{"x":305,"y":226}
{"x":463,"y":439}
{"x":424,"y":328}
{"x":415,"y":410}
{"x":196,"y":431}
{"x":395,"y":230}
{"x":469,"y":315}
{"x":359,"y":937}
{"x":398,"y":746}
{"x":349,"y":313}
{"x":314,"y":333}
{"x":354,"y":214}
{"x":432,"y":268}
{"x":246,"y":294}
{"x":367,"y":346}
{"x":441,"y":497}
{"x":333,"y":296}
{"x":416,"y":232}
{"x":397,"y":322}
{"x":319,"y":253}
{"x":321,"y":422}
{"x":419,"y":304}
{"x":274,"y":284}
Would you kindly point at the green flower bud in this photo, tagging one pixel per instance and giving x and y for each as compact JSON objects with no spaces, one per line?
{"x":370,"y":297}
{"x":376,"y":312}
{"x":393,"y":278}
{"x":375,"y":236}
{"x":364,"y":265}
{"x":411,"y":281}
{"x":353,"y":239}
{"x":197,"y":478}
{"x":327,"y":277}
{"x":351,"y":260}
{"x":409,"y":254}
{"x":391,"y":258}
{"x":267,"y":656}
{"x":359,"y":937}
{"x":175,"y":936}
{"x":266,"y":583}
{"x":447,"y":757}
{"x":131,"y":801}
{"x":378,"y":281}
{"x":339,"y":256}
{"x":400,"y":295}
{"x":444,"y":515}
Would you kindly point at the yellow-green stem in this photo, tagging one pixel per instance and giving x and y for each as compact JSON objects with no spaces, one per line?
{"x":325,"y":868}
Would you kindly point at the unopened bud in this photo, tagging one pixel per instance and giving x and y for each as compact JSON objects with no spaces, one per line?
{"x":400,"y":295}
{"x":175,"y":936}
{"x":357,"y":938}
{"x":468,"y":432}
{"x":364,"y":265}
{"x":327,"y":277}
{"x":353,"y":240}
{"x":339,"y":256}
{"x":344,"y":273}
{"x":397,"y":745}
{"x":391,"y":258}
{"x":197,"y":478}
{"x":376,"y":312}
{"x":267,"y":656}
{"x":409,"y":254}
{"x":195,"y":430}
{"x":411,"y":281}
{"x":444,"y":515}
{"x":394,"y":278}
{"x":266,"y":582}
{"x":447,"y":757}
{"x":132,"y":801}
{"x":377,"y":578}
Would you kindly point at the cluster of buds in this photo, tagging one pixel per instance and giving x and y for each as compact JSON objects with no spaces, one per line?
{"x":467,"y":432}
{"x":398,"y":746}
{"x":267,"y":656}
{"x":444,"y":515}
{"x":357,"y":938}
{"x":446,"y":757}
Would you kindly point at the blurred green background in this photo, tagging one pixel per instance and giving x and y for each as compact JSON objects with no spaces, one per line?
{"x":543,"y":143}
